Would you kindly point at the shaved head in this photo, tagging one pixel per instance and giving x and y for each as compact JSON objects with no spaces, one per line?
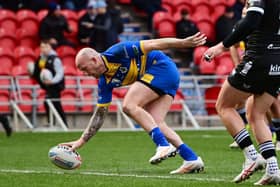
{"x":85,"y":55}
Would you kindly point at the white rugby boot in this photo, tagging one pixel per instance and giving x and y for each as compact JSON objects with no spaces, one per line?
{"x":249,"y":167}
{"x":190,"y":167}
{"x":163,"y":152}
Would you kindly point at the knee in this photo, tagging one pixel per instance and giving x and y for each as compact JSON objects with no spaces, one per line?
{"x":219,"y":107}
{"x":128,"y":108}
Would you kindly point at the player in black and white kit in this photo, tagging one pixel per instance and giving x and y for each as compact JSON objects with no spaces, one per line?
{"x":257,"y":75}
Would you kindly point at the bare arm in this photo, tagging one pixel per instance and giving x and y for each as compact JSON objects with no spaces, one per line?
{"x":167,"y":43}
{"x":95,"y":122}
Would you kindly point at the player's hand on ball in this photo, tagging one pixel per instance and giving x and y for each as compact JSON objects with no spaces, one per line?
{"x":74,"y":144}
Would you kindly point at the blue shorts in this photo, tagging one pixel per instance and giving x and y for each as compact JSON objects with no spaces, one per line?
{"x":163,"y":77}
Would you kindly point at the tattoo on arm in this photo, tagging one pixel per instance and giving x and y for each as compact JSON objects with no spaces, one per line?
{"x":95,"y":122}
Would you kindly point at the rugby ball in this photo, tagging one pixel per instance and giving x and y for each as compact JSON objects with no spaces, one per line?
{"x":64,"y":158}
{"x":46,"y":75}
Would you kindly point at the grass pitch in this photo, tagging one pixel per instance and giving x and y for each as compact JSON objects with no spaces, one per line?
{"x":117,"y":159}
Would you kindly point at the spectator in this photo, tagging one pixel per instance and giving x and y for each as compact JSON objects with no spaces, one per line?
{"x":49,"y":60}
{"x":224,"y":24}
{"x":53,"y":26}
{"x":100,"y":37}
{"x":184,"y":28}
{"x":86,"y":24}
{"x":5,"y":123}
{"x":117,"y":26}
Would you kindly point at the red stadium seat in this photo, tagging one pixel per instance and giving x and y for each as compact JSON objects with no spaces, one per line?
{"x":208,"y":29}
{"x":8,"y":20}
{"x":183,"y":4}
{"x":88,"y":100}
{"x":41,"y":95}
{"x":23,"y":55}
{"x":124,"y":1}
{"x":4,"y":101}
{"x":177,"y":105}
{"x":197,"y":17}
{"x":215,"y":3}
{"x":230,"y":3}
{"x":210,"y":98}
{"x":166,"y":29}
{"x":28,"y":20}
{"x":70,"y":70}
{"x":73,"y":35}
{"x":70,"y":15}
{"x":68,"y":99}
{"x":197,"y":54}
{"x":219,"y":11}
{"x":81,"y":13}
{"x":8,"y":39}
{"x":41,"y":14}
{"x":7,"y":59}
{"x":200,"y":2}
{"x":120,"y":92}
{"x":208,"y":68}
{"x":25,"y":102}
{"x":67,"y":55}
{"x":159,"y":17}
{"x":27,"y":38}
{"x":205,"y":8}
{"x":168,"y":6}
{"x":19,"y":70}
{"x":113,"y":107}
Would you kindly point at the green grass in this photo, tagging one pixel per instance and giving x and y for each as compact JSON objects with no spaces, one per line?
{"x":117,"y":159}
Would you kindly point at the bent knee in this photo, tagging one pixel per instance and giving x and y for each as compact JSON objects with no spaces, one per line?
{"x":128,"y":108}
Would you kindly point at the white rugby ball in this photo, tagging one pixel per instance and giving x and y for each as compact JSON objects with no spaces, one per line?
{"x":64,"y":158}
{"x":46,"y":75}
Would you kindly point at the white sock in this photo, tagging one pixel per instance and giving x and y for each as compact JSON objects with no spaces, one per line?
{"x":250,"y":152}
{"x":272,"y":165}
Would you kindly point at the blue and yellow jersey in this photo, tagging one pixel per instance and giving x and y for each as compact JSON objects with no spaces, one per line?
{"x":127,"y":62}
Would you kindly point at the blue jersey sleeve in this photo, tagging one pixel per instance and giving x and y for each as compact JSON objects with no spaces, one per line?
{"x":126,"y":50}
{"x":104,"y":93}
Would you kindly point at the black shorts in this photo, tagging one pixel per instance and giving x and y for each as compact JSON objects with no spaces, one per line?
{"x":257,"y":75}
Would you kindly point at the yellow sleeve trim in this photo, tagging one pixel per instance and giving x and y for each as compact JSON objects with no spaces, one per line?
{"x":142,"y":47}
{"x":103,"y":104}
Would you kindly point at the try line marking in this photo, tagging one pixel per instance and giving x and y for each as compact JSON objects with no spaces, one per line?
{"x":111,"y":175}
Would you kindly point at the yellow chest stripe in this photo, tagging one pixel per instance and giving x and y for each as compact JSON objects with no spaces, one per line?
{"x":132,"y":73}
{"x":112,"y":69}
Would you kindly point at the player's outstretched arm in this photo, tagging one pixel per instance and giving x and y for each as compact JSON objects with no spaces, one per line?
{"x":95,"y":122}
{"x":167,"y":43}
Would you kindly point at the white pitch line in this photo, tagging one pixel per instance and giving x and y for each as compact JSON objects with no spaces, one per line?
{"x":111,"y":175}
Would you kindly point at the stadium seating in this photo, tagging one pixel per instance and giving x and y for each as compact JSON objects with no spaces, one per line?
{"x":87,"y":101}
{"x":210,"y":97}
{"x":27,"y":38}
{"x":177,"y":105}
{"x":207,"y":28}
{"x":68,"y":99}
{"x":8,"y":20}
{"x":159,"y":17}
{"x":41,"y":14}
{"x":183,"y":4}
{"x":28,"y":20}
{"x":41,"y":94}
{"x":166,"y":29}
{"x":7,"y":39}
{"x":23,"y":55}
{"x":4,"y":101}
{"x":197,"y":54}
{"x":7,"y":59}
{"x":25,"y":101}
{"x":19,"y":70}
{"x":208,"y":68}
{"x":70,"y":70}
{"x":67,"y":55}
